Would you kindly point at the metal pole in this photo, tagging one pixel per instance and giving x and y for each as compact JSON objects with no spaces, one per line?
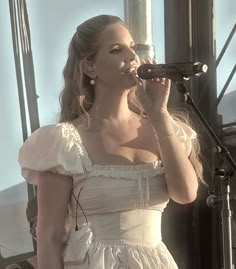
{"x":226,"y":215}
{"x":138,"y":17}
{"x":24,"y":65}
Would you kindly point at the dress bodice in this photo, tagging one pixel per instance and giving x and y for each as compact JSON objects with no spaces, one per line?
{"x":133,"y":227}
{"x":111,"y":189}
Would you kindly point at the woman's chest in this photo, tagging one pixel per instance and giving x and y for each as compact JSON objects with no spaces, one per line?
{"x":121,"y":147}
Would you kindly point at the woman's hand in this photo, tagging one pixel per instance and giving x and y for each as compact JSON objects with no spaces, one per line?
{"x":153,"y":94}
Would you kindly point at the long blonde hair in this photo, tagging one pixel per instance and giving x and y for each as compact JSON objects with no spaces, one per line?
{"x":181,"y":114}
{"x":77,"y":95}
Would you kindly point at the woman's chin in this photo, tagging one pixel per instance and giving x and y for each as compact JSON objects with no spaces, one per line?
{"x":130,"y":82}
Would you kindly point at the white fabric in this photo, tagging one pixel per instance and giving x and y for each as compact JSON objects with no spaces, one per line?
{"x":123,"y":204}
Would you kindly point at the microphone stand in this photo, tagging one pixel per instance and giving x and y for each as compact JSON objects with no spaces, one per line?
{"x":224,"y":176}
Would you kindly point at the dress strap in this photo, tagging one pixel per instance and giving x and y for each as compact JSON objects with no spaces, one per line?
{"x":86,"y":161}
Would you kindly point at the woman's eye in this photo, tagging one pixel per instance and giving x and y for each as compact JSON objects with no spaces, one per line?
{"x":134,"y":47}
{"x":115,"y":50}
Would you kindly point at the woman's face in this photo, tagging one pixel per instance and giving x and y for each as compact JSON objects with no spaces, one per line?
{"x":116,"y":61}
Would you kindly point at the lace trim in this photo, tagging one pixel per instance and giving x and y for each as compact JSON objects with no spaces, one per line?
{"x":136,"y":167}
{"x":133,"y":174}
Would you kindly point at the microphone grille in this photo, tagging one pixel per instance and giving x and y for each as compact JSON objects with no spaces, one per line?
{"x":146,"y":71}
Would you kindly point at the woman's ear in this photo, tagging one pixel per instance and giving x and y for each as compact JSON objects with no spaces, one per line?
{"x":88,"y":69}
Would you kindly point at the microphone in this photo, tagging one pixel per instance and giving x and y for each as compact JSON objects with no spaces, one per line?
{"x":173,"y":71}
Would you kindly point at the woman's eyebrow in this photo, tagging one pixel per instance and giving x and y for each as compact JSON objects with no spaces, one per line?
{"x":120,"y":44}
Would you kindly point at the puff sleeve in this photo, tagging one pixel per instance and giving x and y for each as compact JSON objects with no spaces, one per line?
{"x":51,"y":148}
{"x":185,"y":134}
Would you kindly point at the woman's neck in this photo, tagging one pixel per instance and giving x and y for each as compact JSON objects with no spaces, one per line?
{"x":111,"y":106}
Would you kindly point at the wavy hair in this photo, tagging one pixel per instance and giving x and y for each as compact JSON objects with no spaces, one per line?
{"x":77,"y":95}
{"x":196,"y":156}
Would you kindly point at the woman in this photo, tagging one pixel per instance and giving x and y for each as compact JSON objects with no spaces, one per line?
{"x":114,"y":160}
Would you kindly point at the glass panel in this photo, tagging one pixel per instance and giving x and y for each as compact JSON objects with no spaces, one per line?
{"x":158,"y":29}
{"x":14,"y":234}
{"x":225,"y":20}
{"x":52,"y":27}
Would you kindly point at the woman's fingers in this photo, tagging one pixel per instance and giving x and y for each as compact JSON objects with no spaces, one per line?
{"x":168,"y":82}
{"x":154,"y":61}
{"x":163,"y":81}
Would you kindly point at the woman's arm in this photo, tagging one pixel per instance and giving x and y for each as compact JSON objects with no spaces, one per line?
{"x":181,"y":178}
{"x":53,"y":197}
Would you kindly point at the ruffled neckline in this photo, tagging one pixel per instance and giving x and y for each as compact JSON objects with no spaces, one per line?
{"x":130,"y":167}
{"x":120,"y":167}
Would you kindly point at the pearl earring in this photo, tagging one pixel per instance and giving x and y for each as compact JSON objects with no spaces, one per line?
{"x":89,"y":68}
{"x":92,"y":81}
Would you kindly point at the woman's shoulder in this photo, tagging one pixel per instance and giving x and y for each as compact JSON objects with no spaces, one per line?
{"x":60,"y":137}
{"x":55,"y":148}
{"x":56,"y":129}
{"x":54,"y":133}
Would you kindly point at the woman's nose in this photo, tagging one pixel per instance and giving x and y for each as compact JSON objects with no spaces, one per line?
{"x":131,"y":55}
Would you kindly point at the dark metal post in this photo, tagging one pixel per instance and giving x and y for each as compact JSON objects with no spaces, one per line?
{"x":189,"y":36}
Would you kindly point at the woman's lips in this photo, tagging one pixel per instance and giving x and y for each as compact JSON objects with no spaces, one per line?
{"x":130,"y":70}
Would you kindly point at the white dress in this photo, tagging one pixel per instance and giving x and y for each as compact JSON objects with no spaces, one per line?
{"x":119,"y":225}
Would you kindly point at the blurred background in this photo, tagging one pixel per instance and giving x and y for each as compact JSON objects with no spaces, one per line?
{"x":31,"y":80}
